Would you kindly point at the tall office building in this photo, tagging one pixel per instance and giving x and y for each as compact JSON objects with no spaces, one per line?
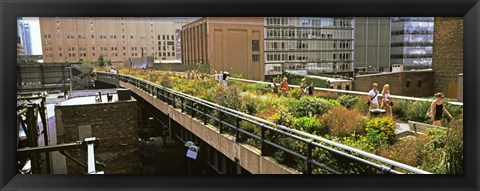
{"x":309,"y":45}
{"x":23,"y":31}
{"x":372,"y":44}
{"x":232,"y":44}
{"x":74,"y":39}
{"x":412,"y":42}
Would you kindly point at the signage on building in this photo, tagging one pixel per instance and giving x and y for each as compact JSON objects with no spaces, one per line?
{"x":32,"y":57}
{"x":178,"y":47}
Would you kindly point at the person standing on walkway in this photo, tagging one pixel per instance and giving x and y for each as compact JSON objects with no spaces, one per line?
{"x":387,"y":100}
{"x":373,"y":96}
{"x":274,"y":87}
{"x":310,"y":89}
{"x":284,"y":86}
{"x":437,"y":108}
{"x":303,"y":87}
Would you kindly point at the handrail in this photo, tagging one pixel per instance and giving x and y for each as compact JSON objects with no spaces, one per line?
{"x":349,"y":92}
{"x":323,"y":140}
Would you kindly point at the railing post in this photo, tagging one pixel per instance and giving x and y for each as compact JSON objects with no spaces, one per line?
{"x":262,"y":140}
{"x":204,"y":114}
{"x":193,"y":111}
{"x":220,"y":122}
{"x":309,"y":157}
{"x":181,"y":102}
{"x":237,"y":126}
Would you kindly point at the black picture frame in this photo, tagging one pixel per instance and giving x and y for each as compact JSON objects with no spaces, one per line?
{"x":10,"y":9}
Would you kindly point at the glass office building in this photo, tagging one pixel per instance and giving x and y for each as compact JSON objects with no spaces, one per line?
{"x":412,"y":42}
{"x":309,"y":45}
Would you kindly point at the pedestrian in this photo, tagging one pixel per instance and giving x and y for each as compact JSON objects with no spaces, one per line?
{"x":387,"y":100}
{"x":303,"y":87}
{"x":274,"y":87}
{"x":437,"y":108}
{"x":310,"y":89}
{"x":373,"y":97}
{"x":284,"y":86}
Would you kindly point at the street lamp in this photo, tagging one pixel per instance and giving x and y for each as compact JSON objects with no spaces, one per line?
{"x":149,"y":119}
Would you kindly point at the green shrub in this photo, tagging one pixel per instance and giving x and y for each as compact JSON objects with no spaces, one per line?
{"x":400,"y":109}
{"x":258,"y":87}
{"x":380,"y":131}
{"x":309,"y":106}
{"x":228,"y":97}
{"x":348,"y":101}
{"x":416,"y":110}
{"x":308,"y":124}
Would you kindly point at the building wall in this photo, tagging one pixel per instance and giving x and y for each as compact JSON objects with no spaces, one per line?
{"x":319,"y":44}
{"x":372,"y":44}
{"x":225,"y":43}
{"x":114,"y":123}
{"x":76,"y":39}
{"x":407,"y":83}
{"x":412,"y":40}
{"x":447,"y":60}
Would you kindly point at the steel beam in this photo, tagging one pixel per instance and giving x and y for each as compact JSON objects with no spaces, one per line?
{"x":50,"y":148}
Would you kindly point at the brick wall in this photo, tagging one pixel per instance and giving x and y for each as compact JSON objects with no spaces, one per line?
{"x":114,"y":123}
{"x":420,"y":83}
{"x":447,"y":61}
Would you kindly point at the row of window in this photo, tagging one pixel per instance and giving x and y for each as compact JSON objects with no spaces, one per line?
{"x":113,"y":54}
{"x":286,"y":45}
{"x":309,"y":22}
{"x":324,"y":67}
{"x":308,"y":33}
{"x":71,"y":36}
{"x":307,"y":56}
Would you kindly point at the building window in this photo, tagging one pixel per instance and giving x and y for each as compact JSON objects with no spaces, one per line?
{"x":255,"y":45}
{"x":92,"y":36}
{"x":255,"y":58}
{"x":419,"y":83}
{"x":407,"y":84}
{"x":163,"y":37}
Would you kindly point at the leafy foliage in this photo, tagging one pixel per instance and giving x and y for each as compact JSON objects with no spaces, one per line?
{"x":348,"y":101}
{"x":309,"y":106}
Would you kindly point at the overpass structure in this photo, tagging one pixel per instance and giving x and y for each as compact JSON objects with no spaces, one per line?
{"x":253,"y":144}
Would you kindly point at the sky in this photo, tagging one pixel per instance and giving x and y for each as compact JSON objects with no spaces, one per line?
{"x":35,"y":34}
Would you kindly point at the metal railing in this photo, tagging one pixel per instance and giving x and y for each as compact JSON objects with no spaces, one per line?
{"x":309,"y":153}
{"x":348,"y":92}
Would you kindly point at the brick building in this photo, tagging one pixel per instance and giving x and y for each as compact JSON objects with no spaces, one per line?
{"x":407,"y":83}
{"x":76,"y":39}
{"x":233,"y":44}
{"x":447,"y":60}
{"x":114,"y":123}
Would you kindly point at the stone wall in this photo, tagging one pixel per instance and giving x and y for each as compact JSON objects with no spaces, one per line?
{"x":447,"y":61}
{"x":114,"y":123}
{"x":407,"y":83}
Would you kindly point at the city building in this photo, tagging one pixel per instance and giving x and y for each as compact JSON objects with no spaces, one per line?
{"x":20,"y":49}
{"x":412,"y":42}
{"x":72,"y":39}
{"x":372,"y":44}
{"x":23,"y":31}
{"x":309,"y":45}
{"x":447,"y":61}
{"x":232,"y":44}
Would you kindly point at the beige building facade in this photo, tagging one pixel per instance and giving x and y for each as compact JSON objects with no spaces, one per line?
{"x":74,"y":39}
{"x":232,"y":44}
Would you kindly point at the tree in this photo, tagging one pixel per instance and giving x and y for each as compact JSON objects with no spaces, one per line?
{"x":88,"y":61}
{"x":101,"y":60}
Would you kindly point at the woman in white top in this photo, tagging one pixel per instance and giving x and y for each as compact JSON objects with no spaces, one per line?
{"x":387,"y":100}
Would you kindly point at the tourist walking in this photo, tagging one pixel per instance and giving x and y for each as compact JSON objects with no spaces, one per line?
{"x":284,"y":86}
{"x":310,"y":89}
{"x":373,"y":97}
{"x":437,"y":108}
{"x":274,"y":87}
{"x":387,"y":103}
{"x":303,"y":87}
